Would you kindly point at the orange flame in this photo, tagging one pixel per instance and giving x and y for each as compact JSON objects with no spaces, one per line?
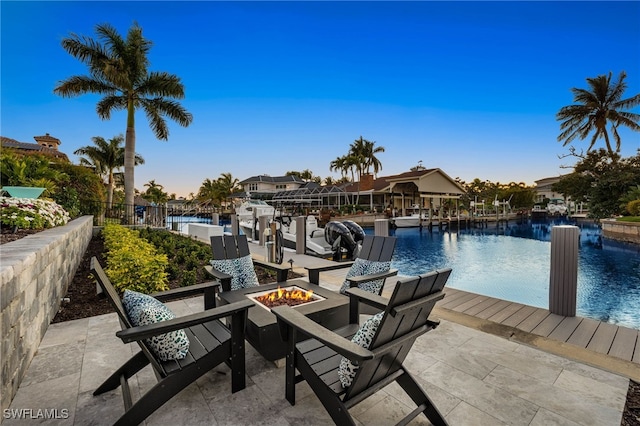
{"x":280,"y":293}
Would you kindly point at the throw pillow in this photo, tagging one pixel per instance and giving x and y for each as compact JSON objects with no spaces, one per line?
{"x":243,"y":274}
{"x":143,"y":309}
{"x":363,"y":337}
{"x":366,"y":267}
{"x":246,"y":273}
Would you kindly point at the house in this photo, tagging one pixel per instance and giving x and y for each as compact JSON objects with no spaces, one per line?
{"x":544,"y":191}
{"x":263,"y":187}
{"x":46,"y":145}
{"x":427,"y":188}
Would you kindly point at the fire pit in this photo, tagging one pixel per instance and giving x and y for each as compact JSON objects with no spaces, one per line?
{"x":327,"y":308}
{"x":290,"y":295}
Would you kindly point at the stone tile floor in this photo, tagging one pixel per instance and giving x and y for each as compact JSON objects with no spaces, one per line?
{"x":473,"y":377}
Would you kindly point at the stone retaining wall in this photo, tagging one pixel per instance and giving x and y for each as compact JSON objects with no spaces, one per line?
{"x":35,"y":273}
{"x":621,"y":231}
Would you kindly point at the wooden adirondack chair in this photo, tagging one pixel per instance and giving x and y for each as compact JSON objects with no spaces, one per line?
{"x":317,"y":360}
{"x":230,"y":247}
{"x":210,"y":344}
{"x":374,"y":249}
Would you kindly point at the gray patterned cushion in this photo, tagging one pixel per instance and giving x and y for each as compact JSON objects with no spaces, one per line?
{"x":143,"y":309}
{"x":243,"y":274}
{"x":366,"y":267}
{"x":363,"y":337}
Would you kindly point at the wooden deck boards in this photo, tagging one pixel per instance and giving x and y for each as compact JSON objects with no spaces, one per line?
{"x":601,"y":337}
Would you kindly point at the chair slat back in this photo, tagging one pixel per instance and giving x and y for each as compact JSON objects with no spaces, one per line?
{"x":109,"y":290}
{"x":116,"y":303}
{"x":229,"y":246}
{"x":377,"y":248}
{"x":408,"y":309}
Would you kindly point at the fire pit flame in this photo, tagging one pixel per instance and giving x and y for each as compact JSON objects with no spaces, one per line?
{"x":281,"y":294}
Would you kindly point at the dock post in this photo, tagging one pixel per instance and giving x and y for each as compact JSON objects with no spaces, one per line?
{"x":215,"y":219}
{"x":563,"y":281}
{"x":235,"y":226}
{"x":263,"y":223}
{"x":301,"y":234}
{"x":381,"y":227}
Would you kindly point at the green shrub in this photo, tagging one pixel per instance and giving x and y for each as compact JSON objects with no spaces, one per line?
{"x":188,"y":278}
{"x":132,"y":262}
{"x":633,"y":207}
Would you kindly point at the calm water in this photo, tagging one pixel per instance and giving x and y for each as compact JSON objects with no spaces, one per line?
{"x":512,"y":263}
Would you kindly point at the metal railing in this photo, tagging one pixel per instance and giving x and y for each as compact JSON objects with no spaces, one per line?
{"x":160,"y":216}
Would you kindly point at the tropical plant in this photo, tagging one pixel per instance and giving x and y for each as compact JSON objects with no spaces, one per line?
{"x":630,"y":201}
{"x":597,"y":107}
{"x":155,"y":193}
{"x":118,"y":69}
{"x":105,"y":157}
{"x":29,"y":170}
{"x":601,"y":180}
{"x":212,"y":191}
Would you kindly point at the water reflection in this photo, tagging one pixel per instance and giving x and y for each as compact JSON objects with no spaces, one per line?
{"x":512,"y":262}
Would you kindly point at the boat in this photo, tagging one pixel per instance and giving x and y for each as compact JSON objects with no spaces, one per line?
{"x":557,"y":207}
{"x":315,"y":240}
{"x":248,"y":214}
{"x":416,"y":218}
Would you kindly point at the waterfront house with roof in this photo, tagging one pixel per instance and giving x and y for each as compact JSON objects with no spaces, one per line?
{"x":46,"y":145}
{"x":263,"y":187}
{"x":426,"y":188}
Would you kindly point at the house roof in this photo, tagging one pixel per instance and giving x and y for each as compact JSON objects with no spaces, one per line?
{"x":272,"y":179}
{"x":32,"y":147}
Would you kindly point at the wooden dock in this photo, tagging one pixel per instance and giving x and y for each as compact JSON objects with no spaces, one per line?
{"x":572,"y":333}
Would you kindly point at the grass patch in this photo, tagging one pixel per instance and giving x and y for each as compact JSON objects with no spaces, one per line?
{"x":628,"y":219}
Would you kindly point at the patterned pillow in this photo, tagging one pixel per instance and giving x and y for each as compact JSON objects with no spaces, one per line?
{"x":363,"y":337}
{"x":366,"y":267}
{"x":243,"y":274}
{"x":246,"y":273}
{"x":143,"y":309}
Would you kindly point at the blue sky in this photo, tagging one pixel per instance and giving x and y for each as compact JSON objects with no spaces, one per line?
{"x":469,"y":87}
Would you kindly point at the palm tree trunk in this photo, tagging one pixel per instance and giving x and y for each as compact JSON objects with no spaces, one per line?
{"x":129,"y":164}
{"x":110,"y":190}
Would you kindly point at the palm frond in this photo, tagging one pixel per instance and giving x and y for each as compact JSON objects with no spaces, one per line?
{"x":110,"y":103}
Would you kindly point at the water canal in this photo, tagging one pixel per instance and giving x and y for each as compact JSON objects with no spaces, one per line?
{"x":512,"y":262}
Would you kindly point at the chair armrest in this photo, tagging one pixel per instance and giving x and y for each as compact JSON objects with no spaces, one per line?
{"x":217,"y":274}
{"x":367,"y":298}
{"x":299,"y":322}
{"x":145,"y":331}
{"x":314,"y":272}
{"x":354,"y":281}
{"x":281,"y":271}
{"x":208,"y":289}
{"x":221,"y":277}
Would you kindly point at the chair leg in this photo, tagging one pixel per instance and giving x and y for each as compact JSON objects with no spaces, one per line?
{"x":158,"y":395}
{"x":419,"y":397}
{"x":128,"y":369}
{"x":331,"y":402}
{"x":238,"y":325}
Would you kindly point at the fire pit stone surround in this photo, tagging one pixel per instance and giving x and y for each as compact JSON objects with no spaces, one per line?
{"x":262,"y":328}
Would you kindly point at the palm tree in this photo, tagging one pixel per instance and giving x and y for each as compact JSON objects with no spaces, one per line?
{"x":227,"y":185}
{"x":339,"y":165}
{"x":106,"y":157}
{"x":596,"y":107}
{"x":370,"y":151}
{"x":208,"y":192}
{"x":155,"y":192}
{"x":118,"y":70}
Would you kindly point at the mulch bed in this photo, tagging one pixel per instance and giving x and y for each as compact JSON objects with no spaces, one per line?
{"x":83,"y":303}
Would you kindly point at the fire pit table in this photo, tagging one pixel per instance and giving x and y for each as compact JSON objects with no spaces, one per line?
{"x":326,"y":307}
